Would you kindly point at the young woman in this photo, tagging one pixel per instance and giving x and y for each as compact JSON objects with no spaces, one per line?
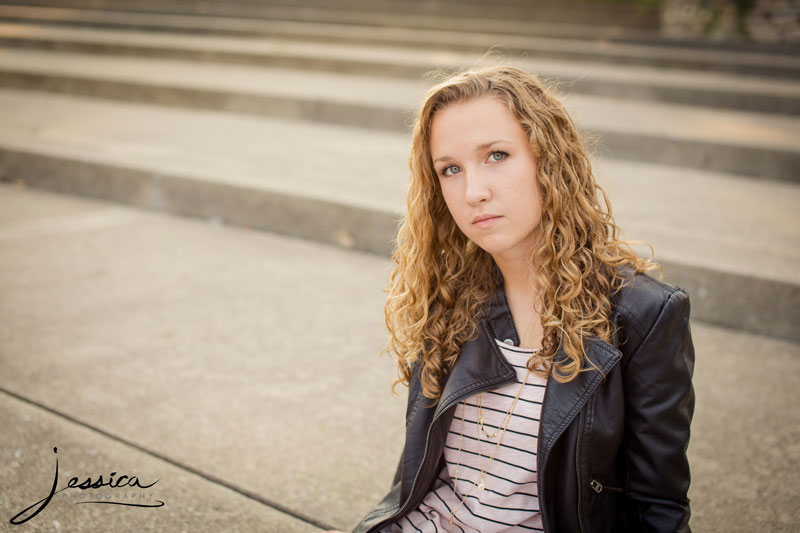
{"x":550,"y":377}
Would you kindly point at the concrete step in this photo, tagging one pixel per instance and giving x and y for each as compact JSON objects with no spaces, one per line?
{"x":612,"y":13}
{"x":644,"y":131}
{"x":241,"y":369}
{"x":596,"y":24}
{"x":192,"y":501}
{"x":657,"y":55}
{"x":731,"y":241}
{"x":708,"y":89}
{"x":240,"y":385}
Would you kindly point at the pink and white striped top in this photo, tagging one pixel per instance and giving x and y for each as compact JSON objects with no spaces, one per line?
{"x":509,"y":500}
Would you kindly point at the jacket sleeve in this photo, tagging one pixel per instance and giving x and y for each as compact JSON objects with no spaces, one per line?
{"x":399,"y":471}
{"x":659,"y":404}
{"x":391,"y":501}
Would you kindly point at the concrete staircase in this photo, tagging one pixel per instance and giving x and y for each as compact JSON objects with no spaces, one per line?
{"x":294,"y":119}
{"x":226,"y":115}
{"x":608,"y":20}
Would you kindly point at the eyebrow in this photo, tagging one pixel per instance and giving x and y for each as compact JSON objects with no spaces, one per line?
{"x":477,"y":149}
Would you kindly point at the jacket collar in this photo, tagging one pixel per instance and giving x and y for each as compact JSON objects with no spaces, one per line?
{"x":481,"y":366}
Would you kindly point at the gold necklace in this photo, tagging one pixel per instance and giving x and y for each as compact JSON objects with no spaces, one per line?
{"x":480,"y":417}
{"x":484,"y":470}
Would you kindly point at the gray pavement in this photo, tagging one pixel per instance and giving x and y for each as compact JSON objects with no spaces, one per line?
{"x":241,"y":369}
{"x":222,"y":349}
{"x":191,"y":501}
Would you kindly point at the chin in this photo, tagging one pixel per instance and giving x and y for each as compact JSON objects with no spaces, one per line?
{"x":491,"y":246}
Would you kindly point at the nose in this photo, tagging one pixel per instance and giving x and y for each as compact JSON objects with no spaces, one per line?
{"x":477,"y":188}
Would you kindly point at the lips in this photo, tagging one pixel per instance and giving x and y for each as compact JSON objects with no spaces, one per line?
{"x":485,"y":220}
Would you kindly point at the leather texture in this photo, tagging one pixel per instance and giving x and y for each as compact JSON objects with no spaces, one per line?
{"x":612,"y":442}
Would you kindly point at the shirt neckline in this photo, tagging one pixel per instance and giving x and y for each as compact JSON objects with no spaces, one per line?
{"x":516,"y":349}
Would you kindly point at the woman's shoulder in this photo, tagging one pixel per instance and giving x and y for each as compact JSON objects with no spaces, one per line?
{"x":644,"y":301}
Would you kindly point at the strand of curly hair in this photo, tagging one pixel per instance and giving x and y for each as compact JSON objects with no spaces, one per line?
{"x":441,"y":280}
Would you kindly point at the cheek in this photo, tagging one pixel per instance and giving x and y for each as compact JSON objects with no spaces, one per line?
{"x":521,"y":194}
{"x":451,"y":200}
{"x":529,"y":191}
{"x":458,"y":211}
{"x":526,"y":203}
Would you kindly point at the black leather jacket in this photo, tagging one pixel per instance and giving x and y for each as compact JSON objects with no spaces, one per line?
{"x":611,"y":452}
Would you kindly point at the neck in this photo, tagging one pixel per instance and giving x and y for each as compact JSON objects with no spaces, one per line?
{"x":523,"y":296}
{"x":517,"y":277}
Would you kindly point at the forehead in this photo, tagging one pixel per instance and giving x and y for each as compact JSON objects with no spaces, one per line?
{"x":463,"y":125}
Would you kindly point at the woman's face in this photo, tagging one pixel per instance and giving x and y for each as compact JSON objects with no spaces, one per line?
{"x":487,"y":173}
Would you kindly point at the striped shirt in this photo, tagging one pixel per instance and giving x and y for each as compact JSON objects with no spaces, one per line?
{"x":509,"y":500}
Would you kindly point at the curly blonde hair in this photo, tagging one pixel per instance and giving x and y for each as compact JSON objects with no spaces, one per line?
{"x":441,"y":280}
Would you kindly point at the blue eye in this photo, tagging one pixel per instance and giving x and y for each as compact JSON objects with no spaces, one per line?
{"x":445,"y":169}
{"x":500,"y":153}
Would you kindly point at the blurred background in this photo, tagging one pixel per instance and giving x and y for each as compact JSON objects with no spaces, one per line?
{"x":198,"y":200}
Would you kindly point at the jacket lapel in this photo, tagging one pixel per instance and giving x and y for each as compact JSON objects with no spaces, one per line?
{"x":479,"y":366}
{"x":563,"y":401}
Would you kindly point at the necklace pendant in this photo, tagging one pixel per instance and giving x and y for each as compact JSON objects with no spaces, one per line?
{"x":481,"y":486}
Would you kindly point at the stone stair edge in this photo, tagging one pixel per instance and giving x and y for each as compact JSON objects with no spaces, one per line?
{"x":762,"y":305}
{"x":510,"y":25}
{"x":762,"y":159}
{"x":723,"y":91}
{"x":622,"y":24}
{"x":426,"y":7}
{"x":671,"y":56}
{"x":257,"y":46}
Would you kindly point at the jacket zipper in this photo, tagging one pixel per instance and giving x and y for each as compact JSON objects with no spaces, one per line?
{"x":401,"y":509}
{"x":578,"y":468}
{"x":542,"y":462}
{"x":599,"y":487}
{"x":424,"y":458}
{"x":427,"y":443}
